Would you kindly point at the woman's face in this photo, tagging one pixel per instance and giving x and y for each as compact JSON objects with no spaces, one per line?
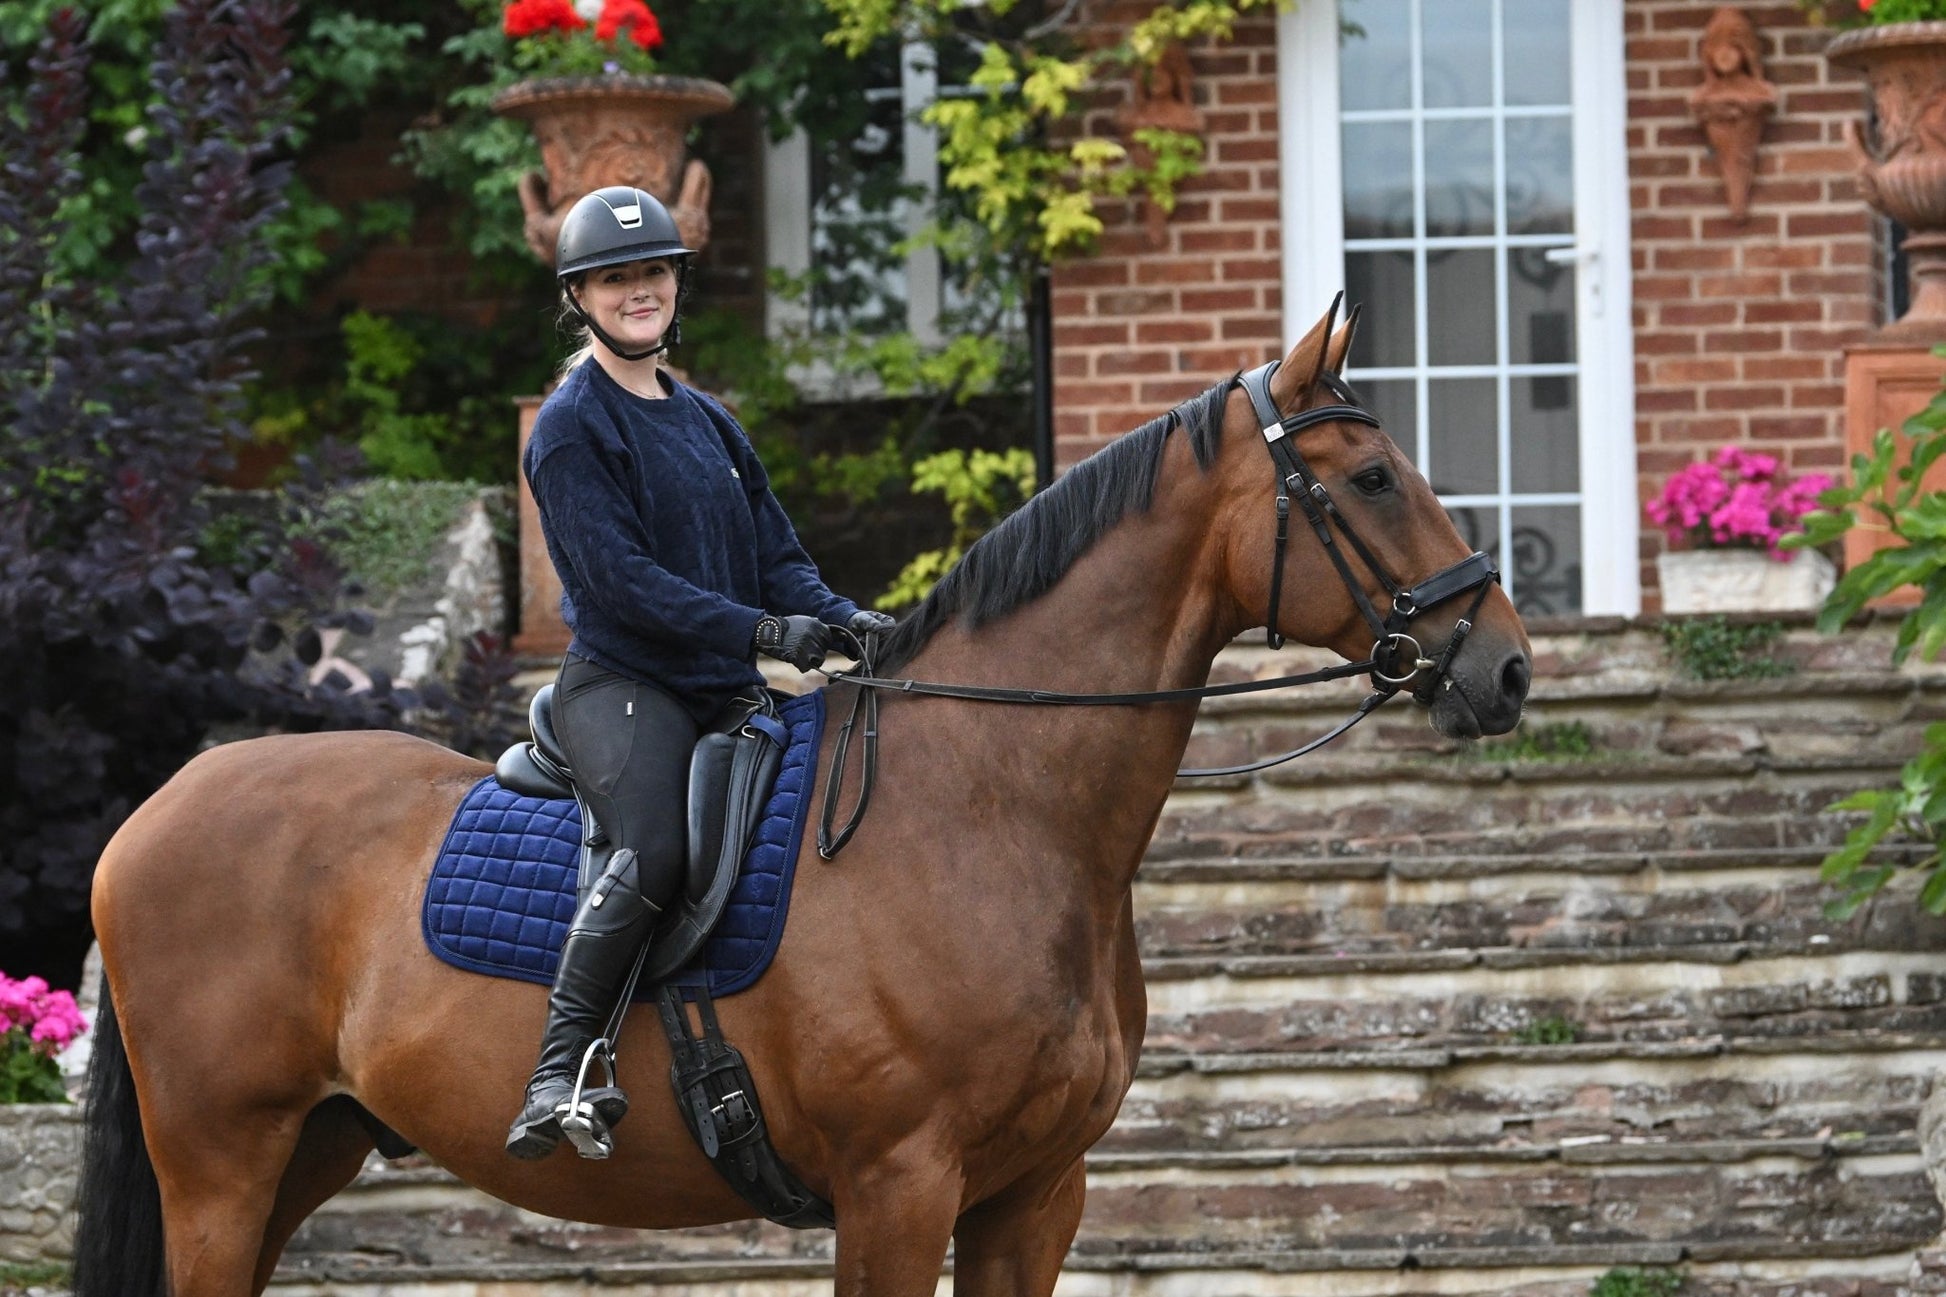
{"x":633,"y":302}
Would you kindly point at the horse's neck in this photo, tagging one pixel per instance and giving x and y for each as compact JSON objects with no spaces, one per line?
{"x":1134,"y":614}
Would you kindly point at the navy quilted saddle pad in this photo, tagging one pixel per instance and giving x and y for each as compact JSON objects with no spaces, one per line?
{"x":502,"y":890}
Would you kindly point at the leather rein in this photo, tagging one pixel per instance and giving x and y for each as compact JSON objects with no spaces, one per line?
{"x":1395,"y":661}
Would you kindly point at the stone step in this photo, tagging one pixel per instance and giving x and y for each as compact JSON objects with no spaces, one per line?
{"x":1248,"y":1274}
{"x":1644,"y":1102}
{"x":1656,"y":806}
{"x":1288,"y":1215}
{"x":1792,"y":1004}
{"x":1419,"y":915}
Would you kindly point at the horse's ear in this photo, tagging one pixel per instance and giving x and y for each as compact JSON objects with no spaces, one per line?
{"x":1301,"y":368}
{"x":1340,"y":348}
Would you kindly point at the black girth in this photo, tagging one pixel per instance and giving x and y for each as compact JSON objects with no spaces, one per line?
{"x":1396,"y":659}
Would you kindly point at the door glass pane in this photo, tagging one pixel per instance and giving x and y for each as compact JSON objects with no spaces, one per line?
{"x":1382,"y":283}
{"x":1459,"y":177}
{"x":1394,"y":402}
{"x":1378,"y":180}
{"x":1459,"y":306}
{"x":1455,"y":193}
{"x":1545,"y":568}
{"x":1463,"y":446}
{"x":1537,"y":56}
{"x":1546,"y":434}
{"x":1540,"y":307}
{"x":1376,"y":54}
{"x":1540,"y":175}
{"x":1459,"y":54}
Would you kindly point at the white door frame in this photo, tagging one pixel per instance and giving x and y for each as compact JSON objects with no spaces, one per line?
{"x":1311,"y":164}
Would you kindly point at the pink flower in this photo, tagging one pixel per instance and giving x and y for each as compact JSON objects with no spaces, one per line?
{"x":1739,"y":498}
{"x":49,"y":1019}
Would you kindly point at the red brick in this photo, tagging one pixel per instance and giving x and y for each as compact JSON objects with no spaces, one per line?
{"x":1131,"y":362}
{"x":1743,"y":398}
{"x":1174,"y":330}
{"x":1195,"y":271}
{"x":1195,"y":300}
{"x":1220,"y":240}
{"x":1253,"y":326}
{"x":1696,"y":313}
{"x":1075,"y":334}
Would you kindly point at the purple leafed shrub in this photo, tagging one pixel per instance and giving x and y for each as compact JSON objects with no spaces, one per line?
{"x":125,"y":632}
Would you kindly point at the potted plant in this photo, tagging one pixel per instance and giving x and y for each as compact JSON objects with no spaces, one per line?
{"x":40,"y":1131}
{"x":583,"y":75}
{"x":1900,"y":46}
{"x":1725,"y":518}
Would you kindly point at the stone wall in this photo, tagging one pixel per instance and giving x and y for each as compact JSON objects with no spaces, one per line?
{"x":40,"y":1156}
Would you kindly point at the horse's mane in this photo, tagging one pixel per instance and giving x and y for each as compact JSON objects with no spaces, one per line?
{"x":1021,"y":559}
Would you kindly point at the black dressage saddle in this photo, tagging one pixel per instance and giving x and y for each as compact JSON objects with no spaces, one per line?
{"x":730,"y":777}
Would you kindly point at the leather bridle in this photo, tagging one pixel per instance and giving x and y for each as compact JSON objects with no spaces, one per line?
{"x":1476,"y":572}
{"x":1391,"y":666}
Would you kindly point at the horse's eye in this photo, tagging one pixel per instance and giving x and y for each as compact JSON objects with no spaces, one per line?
{"x":1373,"y":481}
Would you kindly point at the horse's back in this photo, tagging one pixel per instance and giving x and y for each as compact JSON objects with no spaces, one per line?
{"x":265,"y":866}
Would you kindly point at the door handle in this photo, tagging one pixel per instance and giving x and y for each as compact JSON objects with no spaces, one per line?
{"x":1589,"y":260}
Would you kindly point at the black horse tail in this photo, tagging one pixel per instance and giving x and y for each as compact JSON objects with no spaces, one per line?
{"x":118,"y":1236}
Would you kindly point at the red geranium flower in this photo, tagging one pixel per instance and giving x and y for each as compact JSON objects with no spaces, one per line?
{"x":633,"y":15}
{"x":531,"y":17}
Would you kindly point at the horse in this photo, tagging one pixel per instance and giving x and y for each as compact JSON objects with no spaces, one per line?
{"x":955,"y":1012}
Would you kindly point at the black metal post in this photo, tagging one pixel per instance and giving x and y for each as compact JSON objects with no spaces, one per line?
{"x":1040,"y":339}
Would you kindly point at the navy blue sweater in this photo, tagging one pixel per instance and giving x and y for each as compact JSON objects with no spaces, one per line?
{"x":667,"y":539}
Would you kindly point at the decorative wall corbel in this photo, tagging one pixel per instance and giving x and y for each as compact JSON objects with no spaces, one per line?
{"x":1733,"y":101}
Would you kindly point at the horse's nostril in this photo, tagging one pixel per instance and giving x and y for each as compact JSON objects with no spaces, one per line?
{"x":1516,"y":676}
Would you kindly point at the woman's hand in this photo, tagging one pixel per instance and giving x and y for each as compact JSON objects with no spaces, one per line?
{"x":800,"y":641}
{"x":866,"y":622}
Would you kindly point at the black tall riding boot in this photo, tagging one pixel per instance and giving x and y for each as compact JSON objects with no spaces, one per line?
{"x":607,"y":933}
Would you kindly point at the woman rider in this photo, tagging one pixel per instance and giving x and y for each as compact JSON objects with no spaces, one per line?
{"x":677,"y":567}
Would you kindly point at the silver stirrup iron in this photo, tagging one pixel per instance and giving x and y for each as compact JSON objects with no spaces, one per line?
{"x":577,"y":1117}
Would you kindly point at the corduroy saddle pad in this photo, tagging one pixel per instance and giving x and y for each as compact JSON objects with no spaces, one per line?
{"x":502,"y":890}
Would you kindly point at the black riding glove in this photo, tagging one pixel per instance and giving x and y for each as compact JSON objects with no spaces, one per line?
{"x":866,"y":622}
{"x":800,"y":641}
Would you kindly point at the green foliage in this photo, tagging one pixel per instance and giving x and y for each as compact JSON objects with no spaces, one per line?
{"x":1874,"y":13}
{"x":1715,"y":648}
{"x":344,"y":56}
{"x":1890,"y":499}
{"x":1562,"y":741}
{"x":979,"y":488}
{"x":1633,"y":1281}
{"x":27,"y":1074}
{"x":21,"y":1275}
{"x":995,"y":145}
{"x":1553,"y":1030}
{"x":387,"y":533}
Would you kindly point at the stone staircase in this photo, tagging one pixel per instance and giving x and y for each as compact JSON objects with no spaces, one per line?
{"x":1430,"y":1022}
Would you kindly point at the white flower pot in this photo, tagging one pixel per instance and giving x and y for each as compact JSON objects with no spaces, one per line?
{"x":1743,"y":580}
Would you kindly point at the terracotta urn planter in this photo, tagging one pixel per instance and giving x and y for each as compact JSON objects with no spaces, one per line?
{"x":1742,"y":580}
{"x":613,"y":130}
{"x":1902,"y":168}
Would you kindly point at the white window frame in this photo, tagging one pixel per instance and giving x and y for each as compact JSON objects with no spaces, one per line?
{"x":1311,"y":190}
{"x":788,"y":215}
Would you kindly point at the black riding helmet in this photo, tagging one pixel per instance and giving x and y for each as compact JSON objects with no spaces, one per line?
{"x":612,"y":226}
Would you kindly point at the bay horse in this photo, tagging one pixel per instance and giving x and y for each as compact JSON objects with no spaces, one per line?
{"x":956,"y":1009}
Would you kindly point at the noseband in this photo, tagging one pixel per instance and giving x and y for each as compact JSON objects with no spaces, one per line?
{"x":1397,"y":657}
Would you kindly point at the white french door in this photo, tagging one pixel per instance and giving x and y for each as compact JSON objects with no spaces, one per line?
{"x":1459,"y":168}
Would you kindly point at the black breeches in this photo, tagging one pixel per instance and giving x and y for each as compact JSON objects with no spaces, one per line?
{"x":629,"y":745}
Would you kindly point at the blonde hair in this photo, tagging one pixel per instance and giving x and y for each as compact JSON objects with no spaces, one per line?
{"x":569,"y":322}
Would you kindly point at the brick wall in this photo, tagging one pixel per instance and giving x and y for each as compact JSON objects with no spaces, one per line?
{"x":1139,"y":327}
{"x":1739,"y":328}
